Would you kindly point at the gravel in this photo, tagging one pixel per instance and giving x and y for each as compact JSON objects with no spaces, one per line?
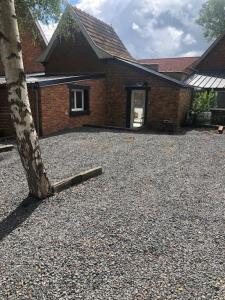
{"x":151,"y":227}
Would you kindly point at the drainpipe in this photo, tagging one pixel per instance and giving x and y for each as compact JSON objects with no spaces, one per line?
{"x":37,"y":107}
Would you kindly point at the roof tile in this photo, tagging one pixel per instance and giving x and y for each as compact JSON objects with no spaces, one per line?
{"x":178,"y":64}
{"x":103,"y":35}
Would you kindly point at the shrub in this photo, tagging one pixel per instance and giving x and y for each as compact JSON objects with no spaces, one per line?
{"x":203,"y":102}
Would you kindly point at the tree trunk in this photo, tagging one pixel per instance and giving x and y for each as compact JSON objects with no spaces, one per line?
{"x":27,"y":139}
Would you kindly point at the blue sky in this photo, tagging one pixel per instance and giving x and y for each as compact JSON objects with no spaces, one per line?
{"x":152,"y":28}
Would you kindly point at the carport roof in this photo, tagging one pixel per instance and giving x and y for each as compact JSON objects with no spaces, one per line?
{"x":41,"y":80}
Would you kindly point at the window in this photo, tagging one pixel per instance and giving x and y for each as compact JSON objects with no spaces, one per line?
{"x":79,"y":100}
{"x":77,"y":103}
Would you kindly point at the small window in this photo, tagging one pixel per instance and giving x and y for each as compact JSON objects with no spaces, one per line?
{"x":79,"y":100}
{"x":77,"y":103}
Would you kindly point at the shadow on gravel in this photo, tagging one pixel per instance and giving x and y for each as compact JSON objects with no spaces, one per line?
{"x":18,"y":216}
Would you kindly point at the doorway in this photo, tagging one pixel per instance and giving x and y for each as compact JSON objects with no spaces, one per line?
{"x":137,"y":107}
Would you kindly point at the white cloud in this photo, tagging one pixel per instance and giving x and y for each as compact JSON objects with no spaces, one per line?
{"x":154,"y":28}
{"x":189,"y":39}
{"x":92,"y":6}
{"x":135,"y":27}
{"x":191,"y":54}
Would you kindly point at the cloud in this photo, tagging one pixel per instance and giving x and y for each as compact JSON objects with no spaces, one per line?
{"x":191,"y":54}
{"x":152,"y":28}
{"x":189,"y":39}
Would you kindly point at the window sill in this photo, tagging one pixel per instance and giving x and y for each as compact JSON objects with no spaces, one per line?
{"x":79,"y":113}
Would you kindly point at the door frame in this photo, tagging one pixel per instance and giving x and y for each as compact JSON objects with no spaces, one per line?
{"x":129,"y":103}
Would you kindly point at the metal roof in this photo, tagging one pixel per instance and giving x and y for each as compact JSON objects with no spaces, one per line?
{"x":206,"y":81}
{"x":40,"y":79}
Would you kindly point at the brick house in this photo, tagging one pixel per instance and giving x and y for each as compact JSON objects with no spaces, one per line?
{"x":208,"y":73}
{"x":177,"y":67}
{"x":33,"y":45}
{"x":92,"y":79}
{"x":32,"y":48}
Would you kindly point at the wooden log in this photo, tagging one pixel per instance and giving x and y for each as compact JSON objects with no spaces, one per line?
{"x":220,"y":129}
{"x":76,"y":179}
{"x":6,"y":148}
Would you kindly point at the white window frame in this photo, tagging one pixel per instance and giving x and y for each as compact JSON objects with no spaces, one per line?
{"x":75,"y":100}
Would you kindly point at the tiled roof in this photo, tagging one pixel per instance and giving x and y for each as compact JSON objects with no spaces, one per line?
{"x":178,"y":64}
{"x":103,"y":35}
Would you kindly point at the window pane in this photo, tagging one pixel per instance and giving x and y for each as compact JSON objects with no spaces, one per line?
{"x":79,"y":100}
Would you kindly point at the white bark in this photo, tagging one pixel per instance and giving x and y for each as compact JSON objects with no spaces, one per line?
{"x":27,"y":139}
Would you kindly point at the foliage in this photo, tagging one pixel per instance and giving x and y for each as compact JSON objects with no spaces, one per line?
{"x":46,"y":11}
{"x":212,"y":18}
{"x":43,"y":10}
{"x":203,"y":101}
{"x":67,"y":28}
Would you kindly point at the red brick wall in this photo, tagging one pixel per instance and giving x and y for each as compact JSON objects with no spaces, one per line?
{"x":163,"y":102}
{"x":55,"y":105}
{"x":32,"y":49}
{"x":215,"y":60}
{"x":6,"y":125}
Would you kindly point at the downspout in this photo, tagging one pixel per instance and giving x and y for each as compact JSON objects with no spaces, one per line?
{"x":37,"y":107}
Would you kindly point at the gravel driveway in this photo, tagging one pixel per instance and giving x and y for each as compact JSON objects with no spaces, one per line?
{"x":151,"y":227}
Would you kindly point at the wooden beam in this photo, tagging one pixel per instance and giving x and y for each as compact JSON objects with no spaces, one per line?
{"x":76,"y":179}
{"x":6,"y":148}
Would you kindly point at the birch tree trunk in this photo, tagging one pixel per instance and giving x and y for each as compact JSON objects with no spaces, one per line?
{"x":27,"y":139}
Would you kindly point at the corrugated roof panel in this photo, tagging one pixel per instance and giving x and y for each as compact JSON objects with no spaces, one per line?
{"x":201,"y":80}
{"x":210,"y":81}
{"x":190,"y":79}
{"x":206,"y":81}
{"x":222,"y":84}
{"x":198,"y":78}
{"x":216,"y":83}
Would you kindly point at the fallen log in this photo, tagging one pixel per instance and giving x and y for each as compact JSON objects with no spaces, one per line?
{"x":220,"y":129}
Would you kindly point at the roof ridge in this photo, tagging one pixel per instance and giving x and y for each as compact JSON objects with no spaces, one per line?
{"x":93,"y":17}
{"x":102,"y":34}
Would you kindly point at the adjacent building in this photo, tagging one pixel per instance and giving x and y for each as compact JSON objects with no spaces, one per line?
{"x":208,"y":73}
{"x":177,"y":67}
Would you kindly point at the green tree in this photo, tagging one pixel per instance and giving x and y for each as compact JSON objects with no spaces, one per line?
{"x":13,"y":13}
{"x":212,"y":18}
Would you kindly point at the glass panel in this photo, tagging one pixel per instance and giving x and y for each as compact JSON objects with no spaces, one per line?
{"x":139,"y":98}
{"x":137,"y":108}
{"x":79,"y":99}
